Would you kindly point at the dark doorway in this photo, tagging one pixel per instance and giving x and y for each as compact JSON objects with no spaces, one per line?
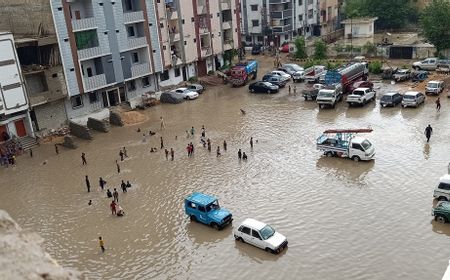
{"x":402,"y":52}
{"x":201,"y":68}
{"x":113,"y":97}
{"x":34,"y":120}
{"x":184,"y":73}
{"x":123,"y":96}
{"x":105,"y":100}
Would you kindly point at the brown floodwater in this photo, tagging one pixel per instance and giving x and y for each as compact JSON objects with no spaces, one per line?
{"x":343,"y":220}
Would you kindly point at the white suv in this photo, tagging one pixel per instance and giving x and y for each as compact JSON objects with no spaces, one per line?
{"x":361,"y":96}
{"x":260,"y":235}
{"x":442,"y":191}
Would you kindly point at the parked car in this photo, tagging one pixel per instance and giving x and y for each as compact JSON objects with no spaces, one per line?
{"x":391,"y":99}
{"x":294,"y":70}
{"x":419,"y":75}
{"x":285,"y":47}
{"x":361,"y":96}
{"x":388,"y":72}
{"x":434,"y":87}
{"x":441,"y":212}
{"x":412,"y":99}
{"x":443,"y":66}
{"x":402,"y":75}
{"x":429,"y":64}
{"x":329,"y":96}
{"x":311,"y":92}
{"x":206,"y":210}
{"x":186,"y":93}
{"x":260,"y":235}
{"x":442,"y":191}
{"x":257,"y":49}
{"x":263,"y":87}
{"x":196,"y":87}
{"x":274,"y":79}
{"x":282,"y":74}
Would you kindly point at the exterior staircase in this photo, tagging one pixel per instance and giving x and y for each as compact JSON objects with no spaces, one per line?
{"x":28,"y":142}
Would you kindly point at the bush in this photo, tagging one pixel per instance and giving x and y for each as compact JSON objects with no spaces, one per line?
{"x":193,"y":79}
{"x":339,"y":48}
{"x":301,"y":48}
{"x":375,"y":67}
{"x":370,"y":48}
{"x":211,"y":72}
{"x":320,"y":50}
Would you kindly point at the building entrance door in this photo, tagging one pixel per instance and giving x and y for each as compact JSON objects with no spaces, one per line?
{"x":20,"y":128}
{"x":113,"y":97}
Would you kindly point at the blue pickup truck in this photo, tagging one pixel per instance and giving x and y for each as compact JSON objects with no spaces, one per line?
{"x":206,"y":210}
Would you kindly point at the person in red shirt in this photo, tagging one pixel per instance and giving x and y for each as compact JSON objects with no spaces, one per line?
{"x":113,"y":207}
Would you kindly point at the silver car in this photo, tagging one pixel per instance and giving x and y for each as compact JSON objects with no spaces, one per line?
{"x":196,"y":87}
{"x":413,"y":99}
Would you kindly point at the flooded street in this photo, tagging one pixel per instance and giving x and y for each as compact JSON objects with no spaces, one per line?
{"x":343,"y":219}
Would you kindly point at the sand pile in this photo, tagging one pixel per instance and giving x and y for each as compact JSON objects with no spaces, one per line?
{"x":133,"y":117}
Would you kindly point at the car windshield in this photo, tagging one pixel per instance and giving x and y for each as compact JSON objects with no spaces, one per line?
{"x":386,"y":97}
{"x":267,"y":84}
{"x":358,"y":92}
{"x":432,"y":85}
{"x":267,"y":232}
{"x":296,"y":68}
{"x":213,"y":206}
{"x":326,"y":94}
{"x":366,"y":144}
{"x":409,"y":97}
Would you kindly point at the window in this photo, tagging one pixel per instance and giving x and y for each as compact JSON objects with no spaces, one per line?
{"x":192,"y":205}
{"x":89,"y":72}
{"x":310,"y":2}
{"x":300,"y":17}
{"x":286,"y":37}
{"x":254,"y":8}
{"x":145,"y":82}
{"x":77,"y":101}
{"x":201,"y":208}
{"x":86,"y":39}
{"x":444,"y":186}
{"x":165,"y":75}
{"x":245,"y":230}
{"x":177,"y":72}
{"x":131,"y":85}
{"x":130,"y":30}
{"x":357,"y":147}
{"x":310,"y":13}
{"x":300,"y":2}
{"x":255,"y":23}
{"x":256,"y":234}
{"x":260,"y":38}
{"x":93,"y":97}
{"x":135,"y":57}
{"x":54,"y":75}
{"x":128,"y":5}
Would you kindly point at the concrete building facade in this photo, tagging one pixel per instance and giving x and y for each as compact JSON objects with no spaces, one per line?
{"x":14,"y":115}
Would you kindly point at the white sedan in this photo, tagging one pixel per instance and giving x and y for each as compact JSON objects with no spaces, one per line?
{"x":260,"y":235}
{"x":196,"y":87}
{"x":186,"y":93}
{"x":281,"y":74}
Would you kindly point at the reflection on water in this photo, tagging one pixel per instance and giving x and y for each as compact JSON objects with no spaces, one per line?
{"x":343,"y":220}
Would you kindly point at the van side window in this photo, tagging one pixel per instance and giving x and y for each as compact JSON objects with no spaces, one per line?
{"x":245,"y":230}
{"x":256,"y":234}
{"x":192,"y":205}
{"x":201,"y":208}
{"x":357,"y":146}
{"x":444,"y":186}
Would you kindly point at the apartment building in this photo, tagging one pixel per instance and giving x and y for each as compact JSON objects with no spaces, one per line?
{"x":14,"y":115}
{"x":109,"y":49}
{"x":31,"y":24}
{"x":264,"y":21}
{"x":195,"y":35}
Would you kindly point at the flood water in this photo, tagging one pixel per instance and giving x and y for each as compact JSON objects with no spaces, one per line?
{"x":343,"y":220}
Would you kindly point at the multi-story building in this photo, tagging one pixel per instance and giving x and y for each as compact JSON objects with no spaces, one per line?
{"x":14,"y":115}
{"x":32,"y":26}
{"x":195,"y":35}
{"x":264,"y":21}
{"x":110,"y":51}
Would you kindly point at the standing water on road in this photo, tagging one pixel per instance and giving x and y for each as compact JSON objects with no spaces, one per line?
{"x":343,"y":219}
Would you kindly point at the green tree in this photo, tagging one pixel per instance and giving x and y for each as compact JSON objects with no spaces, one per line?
{"x":320,"y":50}
{"x":435,"y":23}
{"x":391,"y":14}
{"x":301,"y":48}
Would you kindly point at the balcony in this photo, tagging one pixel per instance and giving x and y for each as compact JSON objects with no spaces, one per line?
{"x":225,"y":5}
{"x":206,"y":51}
{"x":201,"y":9}
{"x":282,"y":14}
{"x":203,"y":30}
{"x":83,"y":24}
{"x":279,"y":1}
{"x":94,"y":82}
{"x":172,"y":14}
{"x":174,"y":37}
{"x":138,"y":70}
{"x":133,"y":17}
{"x":282,"y":29}
{"x":176,"y":60}
{"x":226,"y":25}
{"x":227,"y":44}
{"x":135,"y":43}
{"x":89,"y":53}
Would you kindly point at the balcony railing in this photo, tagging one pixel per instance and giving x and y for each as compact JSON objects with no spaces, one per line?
{"x":138,"y":70}
{"x":133,"y":17}
{"x":83,"y":24}
{"x":279,"y":1}
{"x":206,"y":51}
{"x":176,"y":60}
{"x":134,"y":43}
{"x":226,"y":25}
{"x":227,"y":44}
{"x":203,"y":29}
{"x":174,"y":37}
{"x":172,"y":14}
{"x":201,"y":9}
{"x":94,"y":82}
{"x":281,"y":29}
{"x":89,"y":53}
{"x":225,"y":5}
{"x":282,"y":14}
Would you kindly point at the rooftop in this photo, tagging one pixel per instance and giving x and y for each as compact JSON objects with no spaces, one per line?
{"x":253,"y":224}
{"x":359,"y":20}
{"x":201,"y":198}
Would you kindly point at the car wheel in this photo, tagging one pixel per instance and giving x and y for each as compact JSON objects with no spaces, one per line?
{"x":270,"y":250}
{"x":237,"y":238}
{"x":329,"y":154}
{"x":306,"y":98}
{"x":440,"y":219}
{"x":252,"y":90}
{"x":442,"y":198}
{"x":268,"y":91}
{"x":356,"y":158}
{"x":215,"y":226}
{"x":193,"y":218}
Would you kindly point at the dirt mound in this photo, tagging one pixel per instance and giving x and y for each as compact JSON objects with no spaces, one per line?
{"x":133,"y":117}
